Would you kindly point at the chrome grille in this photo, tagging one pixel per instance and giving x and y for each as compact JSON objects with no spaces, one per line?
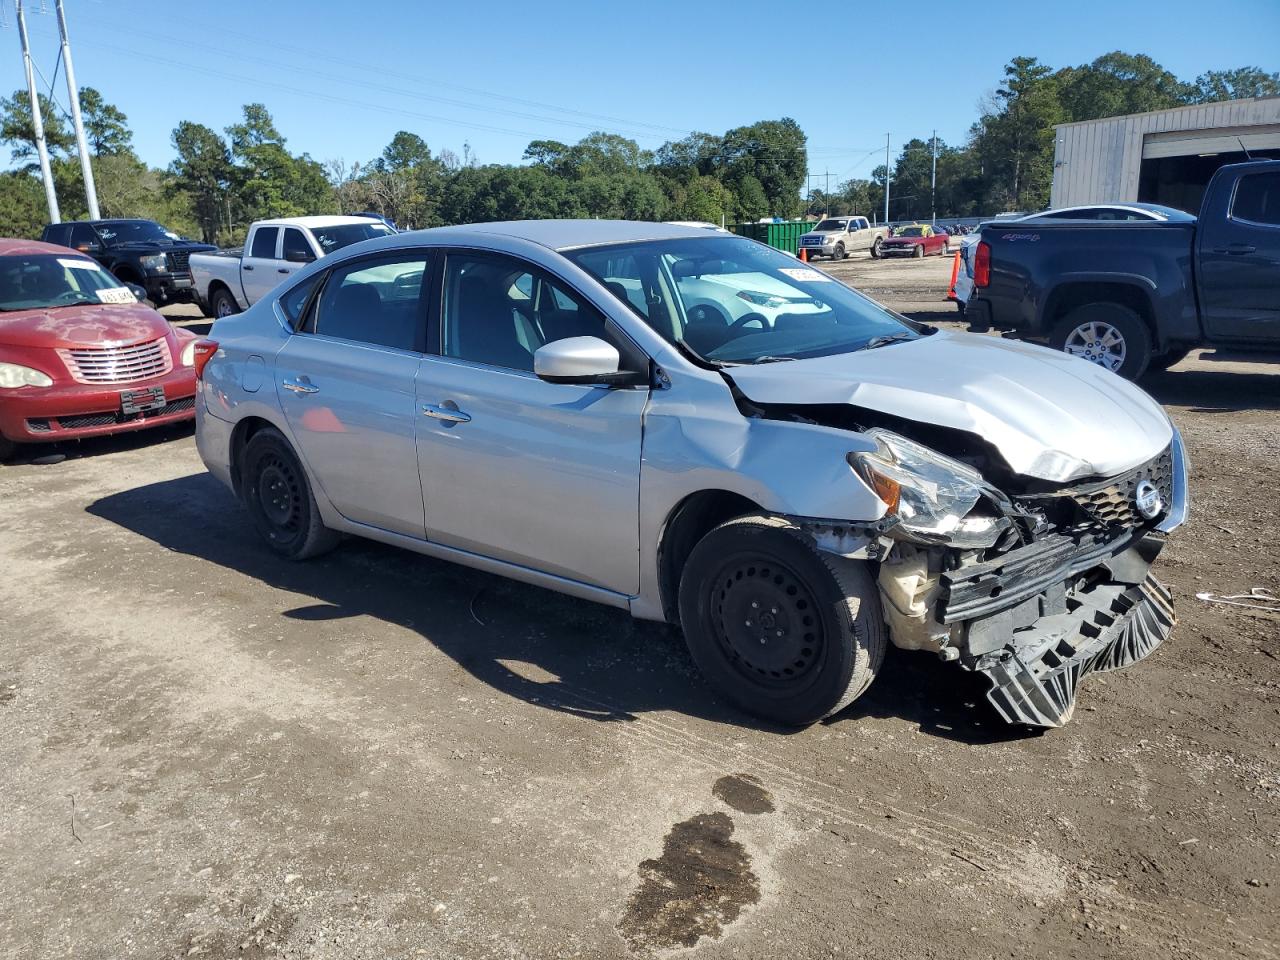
{"x":1111,"y":501}
{"x":139,"y":361}
{"x":179,"y":261}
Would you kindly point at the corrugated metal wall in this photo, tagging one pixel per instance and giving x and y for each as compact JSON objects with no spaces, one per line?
{"x":1101,"y":160}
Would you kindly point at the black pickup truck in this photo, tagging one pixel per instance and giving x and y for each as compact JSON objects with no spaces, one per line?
{"x":1134,"y":295}
{"x":137,"y":251}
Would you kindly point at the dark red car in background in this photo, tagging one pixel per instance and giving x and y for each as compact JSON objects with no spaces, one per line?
{"x":79,"y":355}
{"x":916,"y":240}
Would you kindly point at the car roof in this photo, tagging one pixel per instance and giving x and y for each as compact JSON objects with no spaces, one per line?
{"x":555,"y":234}
{"x":12,"y":247}
{"x":316,"y":221}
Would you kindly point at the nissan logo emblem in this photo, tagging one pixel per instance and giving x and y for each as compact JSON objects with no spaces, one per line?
{"x":1147,"y":499}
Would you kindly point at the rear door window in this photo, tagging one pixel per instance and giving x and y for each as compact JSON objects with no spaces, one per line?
{"x":264,"y":243}
{"x":1257,"y":199}
{"x":379,"y":301}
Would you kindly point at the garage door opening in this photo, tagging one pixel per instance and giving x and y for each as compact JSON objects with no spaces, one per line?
{"x":1180,"y":181}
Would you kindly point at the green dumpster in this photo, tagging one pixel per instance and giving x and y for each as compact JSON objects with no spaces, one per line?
{"x":782,"y":236}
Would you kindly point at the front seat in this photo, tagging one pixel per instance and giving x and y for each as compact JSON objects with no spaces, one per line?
{"x":485,"y":327}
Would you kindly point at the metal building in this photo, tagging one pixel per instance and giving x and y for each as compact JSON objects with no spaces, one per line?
{"x":1166,"y":156}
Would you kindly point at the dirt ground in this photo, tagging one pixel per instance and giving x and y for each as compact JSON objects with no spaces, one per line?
{"x":207,"y":752}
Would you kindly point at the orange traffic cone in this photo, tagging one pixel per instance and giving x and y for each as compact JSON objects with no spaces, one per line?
{"x":804,"y":255}
{"x":955,"y":272}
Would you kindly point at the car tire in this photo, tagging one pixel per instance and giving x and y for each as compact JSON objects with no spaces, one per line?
{"x":7,"y":448}
{"x":838,"y":253}
{"x":276,"y":491}
{"x":875,"y":249}
{"x":918,"y":252}
{"x":1108,"y":334}
{"x":223,"y":304}
{"x":822,"y":611}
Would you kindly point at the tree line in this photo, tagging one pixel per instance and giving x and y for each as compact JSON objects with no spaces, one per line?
{"x":219,"y":182}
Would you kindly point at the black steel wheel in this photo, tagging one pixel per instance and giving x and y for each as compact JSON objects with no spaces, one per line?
{"x":786,"y":631}
{"x":275,"y":489}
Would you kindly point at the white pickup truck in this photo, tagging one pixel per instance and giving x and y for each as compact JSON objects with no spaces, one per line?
{"x":837,"y":237}
{"x":228,"y":281}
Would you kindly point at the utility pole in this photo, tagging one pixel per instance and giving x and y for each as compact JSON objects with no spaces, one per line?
{"x":886,"y":179}
{"x":73,"y":94}
{"x":826,"y":193}
{"x":933,"y":176}
{"x":37,"y":124}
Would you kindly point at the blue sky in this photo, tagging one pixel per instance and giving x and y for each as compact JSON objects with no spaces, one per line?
{"x":341,"y":78}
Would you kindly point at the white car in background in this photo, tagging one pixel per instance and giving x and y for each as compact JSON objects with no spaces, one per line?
{"x":229,"y":281}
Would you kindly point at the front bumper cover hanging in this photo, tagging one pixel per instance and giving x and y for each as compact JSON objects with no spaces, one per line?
{"x":1034,"y":678}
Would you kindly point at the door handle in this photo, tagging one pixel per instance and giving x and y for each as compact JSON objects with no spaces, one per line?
{"x":298,"y":386}
{"x":448,"y":414}
{"x":246,"y":266}
{"x":282,"y":270}
{"x":1236,"y":249}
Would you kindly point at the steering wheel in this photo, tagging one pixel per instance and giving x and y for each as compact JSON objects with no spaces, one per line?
{"x":708,"y":312}
{"x":752,"y":317}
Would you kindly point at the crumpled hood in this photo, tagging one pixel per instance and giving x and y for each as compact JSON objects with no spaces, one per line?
{"x":903,"y":241}
{"x":115,"y":324}
{"x":1051,"y":416}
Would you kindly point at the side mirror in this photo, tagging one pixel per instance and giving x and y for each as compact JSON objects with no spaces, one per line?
{"x":139,"y":292}
{"x":299,"y":256}
{"x":89,"y":248}
{"x":585,"y":360}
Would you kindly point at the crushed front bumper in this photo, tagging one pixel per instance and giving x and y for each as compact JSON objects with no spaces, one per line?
{"x":1034,"y":678}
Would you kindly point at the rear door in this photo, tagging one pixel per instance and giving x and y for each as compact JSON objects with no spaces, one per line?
{"x":258,"y":265}
{"x":545,"y":475}
{"x":345,"y":381}
{"x":1240,"y":263}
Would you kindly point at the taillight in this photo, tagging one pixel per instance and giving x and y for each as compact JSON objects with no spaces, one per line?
{"x":205,"y":349}
{"x":982,"y":265}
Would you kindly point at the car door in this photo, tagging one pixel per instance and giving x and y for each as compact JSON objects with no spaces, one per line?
{"x":345,"y":381}
{"x":539,"y":474}
{"x":258,"y":263}
{"x":1240,"y":263}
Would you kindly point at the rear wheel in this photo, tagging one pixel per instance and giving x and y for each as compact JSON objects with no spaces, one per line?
{"x":786,"y":631}
{"x":1108,"y":334}
{"x":279,"y":498}
{"x":222,"y":303}
{"x":875,"y":248}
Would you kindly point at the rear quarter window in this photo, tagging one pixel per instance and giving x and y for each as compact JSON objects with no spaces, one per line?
{"x":1257,"y":199}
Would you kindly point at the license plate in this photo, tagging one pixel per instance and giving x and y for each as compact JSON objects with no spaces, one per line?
{"x":140,"y":401}
{"x":181,"y":283}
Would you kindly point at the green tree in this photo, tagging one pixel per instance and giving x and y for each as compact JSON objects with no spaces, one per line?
{"x":1118,"y":83}
{"x":106,"y":128}
{"x":1238,"y":84}
{"x":203,"y":174}
{"x":18,"y":130}
{"x":773,"y":154}
{"x":22,"y":206}
{"x":267,"y":180}
{"x":1016,"y":139}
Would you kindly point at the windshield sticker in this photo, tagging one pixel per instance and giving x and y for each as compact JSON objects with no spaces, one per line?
{"x":78,"y":264}
{"x":805,"y":275}
{"x":116,"y":295}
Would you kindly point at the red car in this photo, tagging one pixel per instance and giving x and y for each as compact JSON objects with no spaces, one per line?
{"x":914,"y":241}
{"x":79,"y":355}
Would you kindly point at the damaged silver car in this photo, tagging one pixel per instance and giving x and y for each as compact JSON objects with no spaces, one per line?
{"x":699,"y":429}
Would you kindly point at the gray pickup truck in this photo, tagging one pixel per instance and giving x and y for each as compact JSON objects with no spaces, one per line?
{"x":1133,"y":296}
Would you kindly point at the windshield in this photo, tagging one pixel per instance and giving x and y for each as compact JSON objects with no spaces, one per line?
{"x":334,"y":238}
{"x":134,"y":231}
{"x":909,"y":232}
{"x":830,"y":225}
{"x":43,"y":282}
{"x":732,"y":300}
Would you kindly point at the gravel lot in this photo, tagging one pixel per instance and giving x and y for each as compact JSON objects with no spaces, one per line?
{"x":207,"y":752}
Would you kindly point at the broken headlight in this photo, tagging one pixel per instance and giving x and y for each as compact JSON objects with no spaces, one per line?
{"x":929,"y":493}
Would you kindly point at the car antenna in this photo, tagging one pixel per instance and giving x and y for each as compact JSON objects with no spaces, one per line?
{"x":1247,"y":155}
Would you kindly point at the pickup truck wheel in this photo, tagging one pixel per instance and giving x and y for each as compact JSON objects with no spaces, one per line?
{"x":1108,"y":334}
{"x":223,"y":304}
{"x":839,"y":252}
{"x":786,"y":631}
{"x":279,"y":498}
{"x":875,"y":248}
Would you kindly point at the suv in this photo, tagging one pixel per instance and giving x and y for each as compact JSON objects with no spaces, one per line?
{"x":796,"y":485}
{"x":141,"y":252}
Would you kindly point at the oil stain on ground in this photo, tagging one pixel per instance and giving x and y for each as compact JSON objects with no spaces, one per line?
{"x":744,"y":793}
{"x":696,"y":888}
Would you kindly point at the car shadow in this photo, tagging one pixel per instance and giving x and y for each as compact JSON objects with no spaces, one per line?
{"x":1215,"y":391}
{"x":557,"y":652}
{"x":40,"y":454}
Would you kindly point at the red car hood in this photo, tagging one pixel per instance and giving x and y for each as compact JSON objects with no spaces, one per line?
{"x":92,"y":325}
{"x":904,"y":240}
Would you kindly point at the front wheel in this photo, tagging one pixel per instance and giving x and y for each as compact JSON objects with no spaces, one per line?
{"x":279,"y":498}
{"x":786,"y":631}
{"x":1108,"y":334}
{"x":839,"y":252}
{"x":918,"y":252}
{"x":7,"y":448}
